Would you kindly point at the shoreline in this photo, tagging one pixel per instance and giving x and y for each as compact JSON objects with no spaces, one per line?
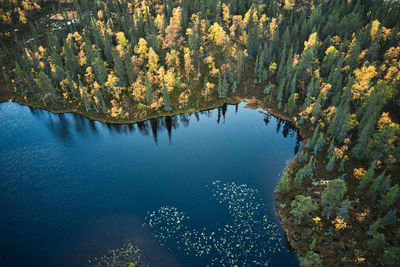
{"x":251,"y":102}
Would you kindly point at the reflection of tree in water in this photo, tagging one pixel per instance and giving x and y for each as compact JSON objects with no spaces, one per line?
{"x":288,"y":129}
{"x":61,"y":124}
{"x":249,"y":239}
{"x":222,"y":111}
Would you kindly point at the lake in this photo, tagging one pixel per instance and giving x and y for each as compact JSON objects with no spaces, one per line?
{"x":190,"y":190}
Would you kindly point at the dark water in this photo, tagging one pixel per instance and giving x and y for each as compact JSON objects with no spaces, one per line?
{"x":72,"y":189}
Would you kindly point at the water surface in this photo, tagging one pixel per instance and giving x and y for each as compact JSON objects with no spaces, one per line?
{"x":172,"y":191}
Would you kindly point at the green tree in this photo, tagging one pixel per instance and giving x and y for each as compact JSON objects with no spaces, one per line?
{"x":319,"y":144}
{"x":311,"y":259}
{"x":284,"y":185}
{"x":291,"y":104}
{"x":298,"y":180}
{"x":167,"y":103}
{"x":367,"y":178}
{"x":389,"y":198}
{"x":100,"y":71}
{"x":301,"y":207}
{"x":332,"y":195}
{"x":391,"y":257}
{"x":331,"y":163}
{"x":129,"y":69}
{"x":377,"y":242}
{"x":119,"y":68}
{"x":45,"y":85}
{"x":149,"y":91}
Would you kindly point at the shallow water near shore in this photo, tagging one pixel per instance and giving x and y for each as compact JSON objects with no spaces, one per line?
{"x":190,"y":190}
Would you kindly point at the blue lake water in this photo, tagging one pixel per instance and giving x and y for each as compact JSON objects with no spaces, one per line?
{"x":189,"y":190}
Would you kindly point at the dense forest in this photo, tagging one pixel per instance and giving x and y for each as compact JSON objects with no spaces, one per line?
{"x":331,"y":67}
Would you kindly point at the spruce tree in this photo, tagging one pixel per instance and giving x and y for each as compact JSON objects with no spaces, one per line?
{"x":149,"y":91}
{"x":389,"y":198}
{"x":332,"y":195}
{"x":367,"y":178}
{"x":130,"y":74}
{"x":167,"y":103}
{"x":284,"y":185}
{"x":331,"y":163}
{"x":301,"y":207}
{"x":119,"y":69}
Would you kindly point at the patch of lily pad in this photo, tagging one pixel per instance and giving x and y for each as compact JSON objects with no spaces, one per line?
{"x":249,"y":239}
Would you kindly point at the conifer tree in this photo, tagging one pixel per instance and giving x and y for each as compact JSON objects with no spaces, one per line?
{"x":319,"y":144}
{"x":311,"y":143}
{"x":311,"y":259}
{"x":301,"y":207}
{"x":389,"y":198}
{"x":149,"y":91}
{"x":130,"y":74}
{"x":100,"y":71}
{"x":291,"y":104}
{"x":119,"y":68}
{"x":332,"y":195}
{"x":46,"y":86}
{"x":234,"y":87}
{"x":284,"y":185}
{"x":331,"y":163}
{"x":367,"y":178}
{"x":167,"y":103}
{"x":298,"y":179}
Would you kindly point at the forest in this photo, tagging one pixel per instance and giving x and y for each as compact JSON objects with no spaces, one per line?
{"x":330,"y":67}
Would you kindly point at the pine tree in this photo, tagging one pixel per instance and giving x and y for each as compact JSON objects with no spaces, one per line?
{"x":367,"y":178}
{"x":234,"y":87}
{"x":119,"y":68}
{"x":377,"y":242}
{"x":372,"y":191}
{"x":358,"y":150}
{"x":149,"y":91}
{"x":222,"y":87}
{"x":319,"y":144}
{"x":46,"y":86}
{"x":330,"y":149}
{"x":331,"y":163}
{"x":291,"y":104}
{"x":332,"y":195}
{"x":252,"y":43}
{"x":130,"y":74}
{"x":301,"y":207}
{"x":389,"y":198}
{"x":71,"y":62}
{"x":298,"y":179}
{"x":389,"y":218}
{"x":284,"y":185}
{"x":100,"y":71}
{"x":311,"y":143}
{"x":108,"y":47}
{"x":84,"y":97}
{"x":100,"y":101}
{"x":311,"y":259}
{"x":167,"y":103}
{"x":205,"y":83}
{"x":343,"y":209}
{"x":317,"y":108}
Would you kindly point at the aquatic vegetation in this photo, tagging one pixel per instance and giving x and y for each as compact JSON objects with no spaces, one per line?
{"x":249,"y":239}
{"x":129,"y":253}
